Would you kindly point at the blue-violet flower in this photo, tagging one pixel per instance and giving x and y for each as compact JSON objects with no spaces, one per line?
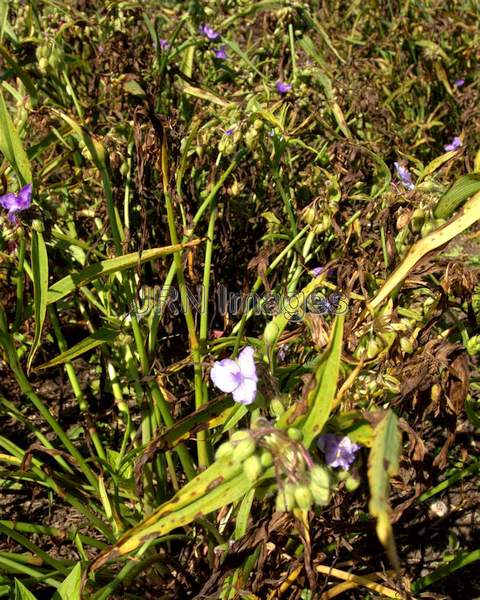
{"x":17,"y":202}
{"x":455,"y":145}
{"x":404,"y":175}
{"x":238,"y":377}
{"x":339,"y":451}
{"x":209,"y":32}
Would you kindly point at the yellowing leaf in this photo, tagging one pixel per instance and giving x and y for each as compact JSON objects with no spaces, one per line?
{"x":382,"y":464}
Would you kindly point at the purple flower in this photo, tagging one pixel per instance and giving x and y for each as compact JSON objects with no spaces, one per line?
{"x":238,"y":377}
{"x":229,"y":131}
{"x":404,"y":175}
{"x":459,"y":83}
{"x":317,"y":271}
{"x":164,"y":44}
{"x":221,"y":53}
{"x":209,"y":32}
{"x":16,"y":202}
{"x":282,"y":87}
{"x":455,"y":145}
{"x":339,"y":451}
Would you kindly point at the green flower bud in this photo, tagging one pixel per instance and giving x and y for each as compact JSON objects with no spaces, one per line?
{"x":285,"y":500}
{"x":243,"y":450}
{"x":406,"y":345}
{"x":473,"y":345}
{"x":320,"y":494}
{"x":342,"y":475}
{"x":266,"y":459}
{"x":320,"y":476}
{"x":252,"y":468}
{"x":418,"y":219}
{"x":303,"y":497}
{"x":351,"y":484}
{"x":276,"y":407}
{"x":294,"y":434}
{"x":37,"y":225}
{"x":373,"y":348}
{"x":225,"y":449}
{"x":239,"y":436}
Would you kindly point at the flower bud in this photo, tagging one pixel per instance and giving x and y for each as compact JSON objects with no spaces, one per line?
{"x":225,"y":449}
{"x":285,"y":500}
{"x":406,"y":345}
{"x":303,"y":497}
{"x":351,"y":484}
{"x":37,"y":225}
{"x":276,"y":408}
{"x":418,"y":219}
{"x":252,"y":468}
{"x":243,"y":450}
{"x":266,"y":459}
{"x":294,"y":434}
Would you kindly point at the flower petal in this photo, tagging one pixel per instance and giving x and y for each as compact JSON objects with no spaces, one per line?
{"x":247,"y":390}
{"x":24,"y":198}
{"x":246,"y":363}
{"x":225,"y":374}
{"x":9,"y":201}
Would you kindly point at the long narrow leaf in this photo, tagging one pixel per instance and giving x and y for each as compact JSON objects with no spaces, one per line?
{"x":40,"y":289}
{"x":322,"y":397}
{"x":101,"y":336}
{"x":382,"y":464}
{"x":11,"y":145}
{"x":68,"y":284}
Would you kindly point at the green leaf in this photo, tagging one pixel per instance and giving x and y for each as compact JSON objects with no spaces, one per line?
{"x":320,"y":400}
{"x":438,"y":237}
{"x":68,"y":284}
{"x":101,"y":336}
{"x":21,"y":592}
{"x":222,"y":483}
{"x":11,"y":145}
{"x":436,"y":163}
{"x":383,"y":464}
{"x":71,"y":586}
{"x":460,"y":191}
{"x":40,"y":289}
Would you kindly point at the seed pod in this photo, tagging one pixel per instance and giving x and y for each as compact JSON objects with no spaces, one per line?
{"x":239,"y":436}
{"x":418,"y":219}
{"x":294,"y":434}
{"x":243,"y":450}
{"x":351,"y":483}
{"x":252,"y":468}
{"x":406,"y":345}
{"x":320,"y":494}
{"x":320,"y":476}
{"x":266,"y":458}
{"x":276,"y":407}
{"x":225,"y":449}
{"x":303,"y":497}
{"x":373,"y":348}
{"x":285,"y":500}
{"x":342,"y":475}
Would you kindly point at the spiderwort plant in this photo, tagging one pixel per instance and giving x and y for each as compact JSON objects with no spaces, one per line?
{"x":238,"y":377}
{"x":17,"y":202}
{"x":338,"y":451}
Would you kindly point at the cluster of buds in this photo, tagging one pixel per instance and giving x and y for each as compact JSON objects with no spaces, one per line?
{"x":301,"y":483}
